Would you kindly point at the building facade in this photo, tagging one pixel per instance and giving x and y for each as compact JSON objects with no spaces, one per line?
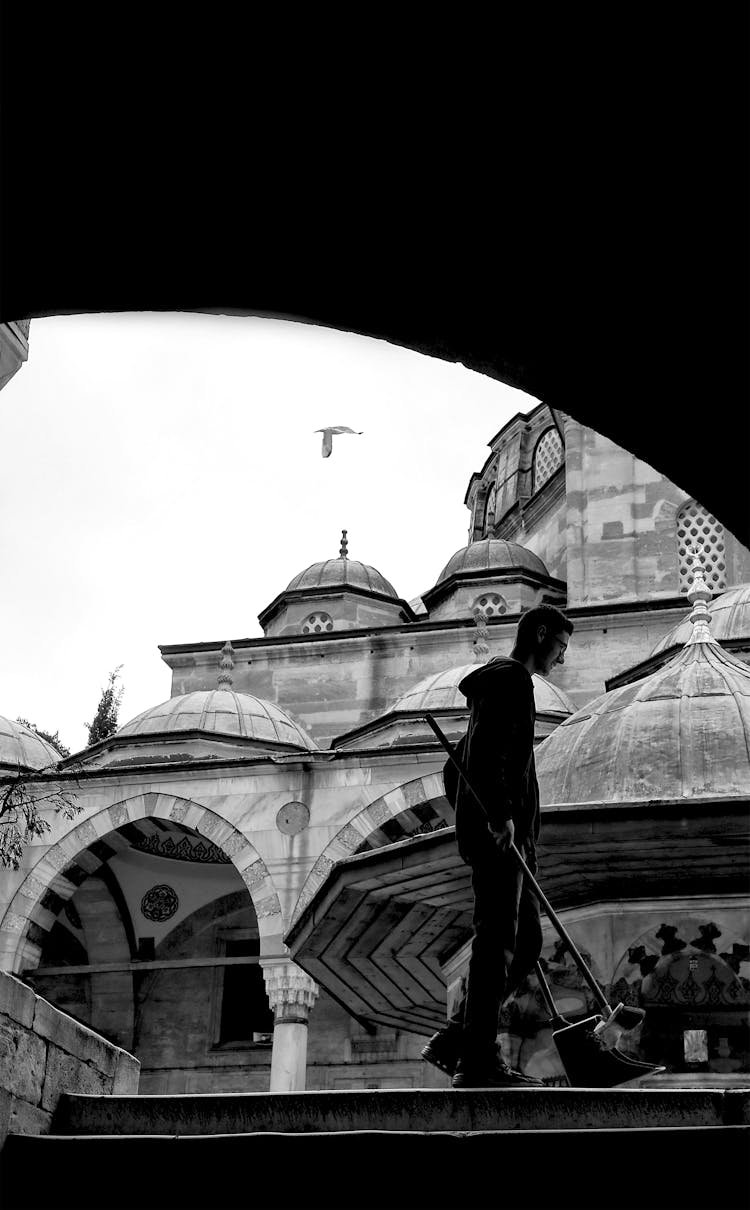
{"x":214,"y":823}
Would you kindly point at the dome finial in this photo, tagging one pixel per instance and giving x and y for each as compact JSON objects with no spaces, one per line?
{"x":226,"y":664}
{"x":344,"y":545}
{"x":699,"y":595}
{"x":480,"y":647}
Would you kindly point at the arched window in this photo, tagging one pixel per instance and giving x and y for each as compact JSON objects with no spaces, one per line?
{"x":548,"y":457}
{"x":489,"y":511}
{"x":695,"y":525}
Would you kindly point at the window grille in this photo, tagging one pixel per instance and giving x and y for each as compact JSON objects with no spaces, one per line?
{"x":548,"y":457}
{"x":695,"y":525}
{"x":317,"y":623}
{"x":492,"y":604}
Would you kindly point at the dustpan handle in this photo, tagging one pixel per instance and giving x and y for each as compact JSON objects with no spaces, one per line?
{"x":577,"y":957}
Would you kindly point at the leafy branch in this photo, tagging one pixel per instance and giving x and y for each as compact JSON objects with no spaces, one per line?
{"x":50,"y":738}
{"x":21,"y":799}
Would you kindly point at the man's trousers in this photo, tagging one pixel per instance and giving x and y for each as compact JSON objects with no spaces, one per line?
{"x":506,"y":945}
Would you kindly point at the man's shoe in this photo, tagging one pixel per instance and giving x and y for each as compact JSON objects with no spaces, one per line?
{"x":491,"y":1075}
{"x":442,"y":1051}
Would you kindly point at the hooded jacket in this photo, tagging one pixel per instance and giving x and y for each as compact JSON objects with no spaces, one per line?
{"x":498,"y":754}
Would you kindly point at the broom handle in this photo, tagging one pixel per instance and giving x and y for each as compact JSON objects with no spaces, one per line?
{"x":546,"y":991}
{"x":577,"y":957}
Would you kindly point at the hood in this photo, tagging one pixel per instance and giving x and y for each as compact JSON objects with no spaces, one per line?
{"x":494,"y":677}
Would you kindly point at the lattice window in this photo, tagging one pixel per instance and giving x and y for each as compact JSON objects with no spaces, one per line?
{"x":696,"y":525}
{"x":489,"y":511}
{"x":317,"y":623}
{"x":548,"y":457}
{"x":492,"y":604}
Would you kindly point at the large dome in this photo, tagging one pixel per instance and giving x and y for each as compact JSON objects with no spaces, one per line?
{"x":440,"y":692}
{"x":221,"y":712}
{"x":488,"y":555}
{"x":683,"y":732}
{"x":341,"y":573}
{"x":730,"y":619}
{"x":22,"y":747}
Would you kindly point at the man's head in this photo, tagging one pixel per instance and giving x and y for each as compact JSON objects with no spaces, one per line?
{"x":542,"y":638}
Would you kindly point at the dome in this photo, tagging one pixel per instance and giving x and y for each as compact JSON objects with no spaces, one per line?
{"x":341,"y":573}
{"x":730,"y":619}
{"x":440,"y":692}
{"x":221,"y":712}
{"x":682,"y":732}
{"x":20,"y":746}
{"x":491,"y":555}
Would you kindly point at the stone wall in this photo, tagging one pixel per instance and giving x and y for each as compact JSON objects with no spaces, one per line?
{"x":335,"y":684}
{"x":44,"y":1053}
{"x":622,"y":525}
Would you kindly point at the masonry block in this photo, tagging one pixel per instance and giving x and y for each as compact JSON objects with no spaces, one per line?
{"x":6,"y":1104}
{"x":378,"y":813}
{"x":67,"y":1074}
{"x":254,"y":875}
{"x":78,"y":1041}
{"x":28,"y":1119}
{"x":33,"y":887}
{"x":127,"y":1074}
{"x":86,"y":833}
{"x":22,"y":1061}
{"x":347,"y":840}
{"x":270,"y":906}
{"x":17,"y":1001}
{"x":234,"y":843}
{"x":179,"y":810}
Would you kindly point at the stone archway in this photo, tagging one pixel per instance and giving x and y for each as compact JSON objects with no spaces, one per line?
{"x":421,"y":792}
{"x":82,"y":850}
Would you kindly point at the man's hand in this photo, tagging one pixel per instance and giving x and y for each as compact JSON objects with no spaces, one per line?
{"x":504,"y":838}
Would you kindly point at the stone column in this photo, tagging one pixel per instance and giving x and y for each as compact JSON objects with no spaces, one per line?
{"x":291,"y":994}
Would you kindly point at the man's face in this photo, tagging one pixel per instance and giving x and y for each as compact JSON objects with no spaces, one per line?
{"x":551,"y":650}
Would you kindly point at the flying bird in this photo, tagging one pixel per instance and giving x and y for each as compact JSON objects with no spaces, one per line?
{"x":328,"y":436}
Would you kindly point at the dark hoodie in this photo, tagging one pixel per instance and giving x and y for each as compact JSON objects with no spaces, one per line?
{"x":498,"y":754}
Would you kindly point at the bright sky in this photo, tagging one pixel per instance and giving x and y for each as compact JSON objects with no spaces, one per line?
{"x":162,"y":483}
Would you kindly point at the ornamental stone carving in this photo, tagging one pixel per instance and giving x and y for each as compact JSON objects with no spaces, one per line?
{"x":291,"y":992}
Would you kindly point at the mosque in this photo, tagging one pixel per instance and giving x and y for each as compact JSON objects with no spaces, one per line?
{"x":261,"y":888}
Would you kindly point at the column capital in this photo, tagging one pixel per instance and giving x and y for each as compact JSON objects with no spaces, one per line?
{"x":291,"y":992}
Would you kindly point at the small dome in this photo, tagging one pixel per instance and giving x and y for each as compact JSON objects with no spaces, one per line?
{"x":491,"y":554}
{"x":20,"y":746}
{"x":682,"y":732}
{"x":221,"y":712}
{"x":440,"y":692}
{"x":341,"y":573}
{"x":730,"y":619}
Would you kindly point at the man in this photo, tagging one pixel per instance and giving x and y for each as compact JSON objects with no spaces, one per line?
{"x":498,"y":755}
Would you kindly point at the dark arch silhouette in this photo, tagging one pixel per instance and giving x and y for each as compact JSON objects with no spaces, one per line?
{"x":584,"y":238}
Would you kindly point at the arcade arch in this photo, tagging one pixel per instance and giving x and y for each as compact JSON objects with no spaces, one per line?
{"x":416,"y":806}
{"x":86,"y":848}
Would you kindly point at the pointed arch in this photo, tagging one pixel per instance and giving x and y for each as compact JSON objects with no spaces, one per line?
{"x":404,"y":801}
{"x":55,"y":877}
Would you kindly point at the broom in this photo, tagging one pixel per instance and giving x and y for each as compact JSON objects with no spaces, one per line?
{"x":587,"y":1048}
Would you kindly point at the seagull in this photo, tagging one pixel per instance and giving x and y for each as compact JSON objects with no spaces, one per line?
{"x":328,"y":436}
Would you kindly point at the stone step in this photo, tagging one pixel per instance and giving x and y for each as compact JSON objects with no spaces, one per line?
{"x":401,"y":1109}
{"x":685,"y":1168}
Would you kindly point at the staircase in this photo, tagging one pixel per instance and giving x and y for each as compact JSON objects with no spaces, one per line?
{"x":385,"y":1149}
